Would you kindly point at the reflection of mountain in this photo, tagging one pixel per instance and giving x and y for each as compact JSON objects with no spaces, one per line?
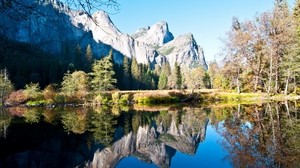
{"x":153,"y":137}
{"x":155,"y":143}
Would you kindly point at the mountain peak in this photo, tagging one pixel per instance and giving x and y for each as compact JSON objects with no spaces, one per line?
{"x":156,"y":35}
{"x":149,"y":45}
{"x":185,"y":51}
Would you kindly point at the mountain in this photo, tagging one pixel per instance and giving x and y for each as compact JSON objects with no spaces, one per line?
{"x":185,"y":51}
{"x":55,"y":28}
{"x":156,"y":35}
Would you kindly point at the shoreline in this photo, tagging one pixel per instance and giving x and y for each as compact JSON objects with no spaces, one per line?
{"x":161,"y":97}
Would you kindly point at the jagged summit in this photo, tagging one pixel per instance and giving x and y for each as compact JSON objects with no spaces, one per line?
{"x":64,"y":28}
{"x":156,"y":35}
{"x":185,"y":51}
{"x":100,"y":24}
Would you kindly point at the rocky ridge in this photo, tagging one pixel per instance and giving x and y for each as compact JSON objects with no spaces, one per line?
{"x":59,"y":27}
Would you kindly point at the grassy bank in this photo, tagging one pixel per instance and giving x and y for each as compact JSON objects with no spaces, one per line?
{"x":211,"y":95}
{"x":153,"y":97}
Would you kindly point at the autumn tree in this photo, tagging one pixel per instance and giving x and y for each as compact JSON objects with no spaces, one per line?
{"x":75,"y":85}
{"x":194,"y":78}
{"x":263,"y":54}
{"x":32,"y":91}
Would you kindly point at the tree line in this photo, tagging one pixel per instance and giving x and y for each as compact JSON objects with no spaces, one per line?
{"x":262,"y":54}
{"x":84,"y":77}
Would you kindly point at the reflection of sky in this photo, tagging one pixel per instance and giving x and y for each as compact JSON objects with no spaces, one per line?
{"x":209,"y":154}
{"x":134,"y":162}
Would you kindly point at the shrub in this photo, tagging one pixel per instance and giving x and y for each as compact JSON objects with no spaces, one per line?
{"x":49,"y":94}
{"x":33,"y":91}
{"x":59,"y":98}
{"x":115,"y":97}
{"x":124,"y":99}
{"x":16,"y":98}
{"x":101,"y":99}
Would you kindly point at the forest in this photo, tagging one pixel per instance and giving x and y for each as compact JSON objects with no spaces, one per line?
{"x":260,"y":55}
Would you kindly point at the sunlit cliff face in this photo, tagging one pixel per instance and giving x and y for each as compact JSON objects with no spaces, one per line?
{"x":54,"y":28}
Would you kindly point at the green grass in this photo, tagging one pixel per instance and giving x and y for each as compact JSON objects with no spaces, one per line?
{"x":32,"y":103}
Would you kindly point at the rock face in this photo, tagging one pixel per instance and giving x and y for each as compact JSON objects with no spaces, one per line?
{"x":53,"y":27}
{"x":156,"y":35}
{"x":185,"y":51}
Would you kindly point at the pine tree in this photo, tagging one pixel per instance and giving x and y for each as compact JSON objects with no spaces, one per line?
{"x":68,"y":85}
{"x":126,"y":73}
{"x":135,"y":73}
{"x":164,"y":76}
{"x":88,"y":58}
{"x":78,"y":58}
{"x":176,"y":77}
{"x":162,"y":81}
{"x":103,"y":74}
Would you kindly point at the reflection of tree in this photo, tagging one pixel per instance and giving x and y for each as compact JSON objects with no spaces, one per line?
{"x":74,"y":121}
{"x":102,"y":125}
{"x":5,"y":120}
{"x":142,"y":119}
{"x":32,"y":115}
{"x":164,"y":118}
{"x":267,"y":137}
{"x":51,"y":116}
{"x":127,"y":123}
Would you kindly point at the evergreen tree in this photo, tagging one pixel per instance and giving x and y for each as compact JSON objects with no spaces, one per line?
{"x":126,"y":73}
{"x":78,"y":58}
{"x":178,"y":76}
{"x":102,"y":126}
{"x":162,"y":81}
{"x":6,"y":86}
{"x":166,"y":68}
{"x":88,"y":58}
{"x":103,"y":74}
{"x":164,"y":76}
{"x":68,"y":85}
{"x":135,"y":73}
{"x":206,"y":80}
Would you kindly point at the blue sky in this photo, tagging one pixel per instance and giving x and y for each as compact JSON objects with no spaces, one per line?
{"x":208,"y":20}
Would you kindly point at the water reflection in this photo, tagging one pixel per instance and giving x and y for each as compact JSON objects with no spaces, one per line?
{"x":265,"y":135}
{"x":262,"y":135}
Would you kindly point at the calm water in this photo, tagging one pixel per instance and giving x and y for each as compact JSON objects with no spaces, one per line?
{"x":264,"y":135}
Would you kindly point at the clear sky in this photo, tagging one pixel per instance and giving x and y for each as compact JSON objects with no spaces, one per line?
{"x":208,"y":20}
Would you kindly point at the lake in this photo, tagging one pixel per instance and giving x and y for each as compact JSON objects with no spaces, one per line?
{"x":255,"y":135}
